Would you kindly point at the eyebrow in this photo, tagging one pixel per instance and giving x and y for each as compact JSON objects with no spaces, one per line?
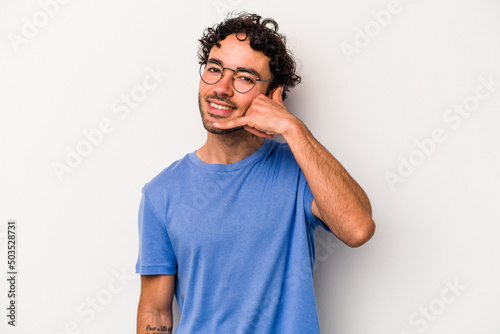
{"x":244,"y":69}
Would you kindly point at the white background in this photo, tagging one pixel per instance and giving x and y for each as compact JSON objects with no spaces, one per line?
{"x":438,"y":227}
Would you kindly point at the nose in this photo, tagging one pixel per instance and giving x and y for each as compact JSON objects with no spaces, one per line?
{"x":225,"y":84}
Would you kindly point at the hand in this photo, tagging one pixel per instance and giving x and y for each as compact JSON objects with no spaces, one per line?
{"x":266,"y":116}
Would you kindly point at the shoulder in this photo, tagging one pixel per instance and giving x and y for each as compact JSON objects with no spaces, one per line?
{"x":282,"y":152}
{"x":171,"y":176}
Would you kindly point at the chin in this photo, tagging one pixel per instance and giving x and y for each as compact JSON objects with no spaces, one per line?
{"x":207,"y":124}
{"x":216,"y":131}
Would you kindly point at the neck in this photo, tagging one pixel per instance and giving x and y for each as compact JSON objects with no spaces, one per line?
{"x":228,"y":148}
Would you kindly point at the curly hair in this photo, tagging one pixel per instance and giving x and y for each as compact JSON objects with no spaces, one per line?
{"x":263,"y":36}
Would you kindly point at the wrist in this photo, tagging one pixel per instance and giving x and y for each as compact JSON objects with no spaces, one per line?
{"x":295,"y":130}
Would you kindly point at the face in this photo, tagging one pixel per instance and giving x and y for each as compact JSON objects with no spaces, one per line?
{"x":220,"y":102}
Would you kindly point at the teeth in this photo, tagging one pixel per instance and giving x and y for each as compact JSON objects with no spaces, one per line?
{"x":219,"y":107}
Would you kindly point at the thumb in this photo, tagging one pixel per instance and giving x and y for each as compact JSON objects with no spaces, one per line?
{"x":277,"y":94}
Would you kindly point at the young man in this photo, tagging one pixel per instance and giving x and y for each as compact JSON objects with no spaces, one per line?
{"x":230,"y":228}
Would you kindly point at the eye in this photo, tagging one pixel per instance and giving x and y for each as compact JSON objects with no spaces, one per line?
{"x":213,"y":69}
{"x":245,"y":78}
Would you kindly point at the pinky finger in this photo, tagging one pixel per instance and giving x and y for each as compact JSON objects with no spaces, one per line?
{"x":258,"y":132}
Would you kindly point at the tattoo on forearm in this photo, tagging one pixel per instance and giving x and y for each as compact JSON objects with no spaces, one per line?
{"x":158,"y":330}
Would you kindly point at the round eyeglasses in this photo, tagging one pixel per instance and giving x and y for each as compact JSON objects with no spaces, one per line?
{"x":243,"y":80}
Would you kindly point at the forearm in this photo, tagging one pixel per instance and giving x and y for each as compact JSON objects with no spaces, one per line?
{"x":341,"y":202}
{"x":151,"y":321}
{"x":338,"y":200}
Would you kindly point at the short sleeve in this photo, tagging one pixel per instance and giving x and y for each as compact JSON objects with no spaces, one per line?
{"x":156,"y":255}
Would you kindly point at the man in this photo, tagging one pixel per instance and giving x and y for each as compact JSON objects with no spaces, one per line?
{"x":230,"y":228}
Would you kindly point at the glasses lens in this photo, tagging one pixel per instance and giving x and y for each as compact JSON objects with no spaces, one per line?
{"x":244,"y":81}
{"x":210,"y":73}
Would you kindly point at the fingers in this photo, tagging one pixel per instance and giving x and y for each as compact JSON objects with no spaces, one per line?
{"x":234,"y":123}
{"x":262,"y":117}
{"x":278,"y":94}
{"x":258,"y":132}
{"x":242,"y":122}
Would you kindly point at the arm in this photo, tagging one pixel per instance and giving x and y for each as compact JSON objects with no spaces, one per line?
{"x":338,"y":200}
{"x":154,"y":314}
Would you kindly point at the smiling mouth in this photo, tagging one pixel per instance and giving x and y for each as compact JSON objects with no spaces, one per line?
{"x":220,"y":107}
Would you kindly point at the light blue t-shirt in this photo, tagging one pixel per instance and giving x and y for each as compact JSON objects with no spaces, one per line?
{"x":240,"y":238}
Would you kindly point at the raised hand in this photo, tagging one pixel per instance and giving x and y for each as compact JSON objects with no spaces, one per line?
{"x":266,"y":116}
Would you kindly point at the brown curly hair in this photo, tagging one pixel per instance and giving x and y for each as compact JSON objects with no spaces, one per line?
{"x":263,"y":36}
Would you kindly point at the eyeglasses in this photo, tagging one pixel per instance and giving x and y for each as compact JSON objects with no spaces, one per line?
{"x":243,"y":80}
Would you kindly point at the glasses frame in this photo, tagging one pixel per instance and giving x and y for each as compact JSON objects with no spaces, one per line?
{"x":232,"y":77}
